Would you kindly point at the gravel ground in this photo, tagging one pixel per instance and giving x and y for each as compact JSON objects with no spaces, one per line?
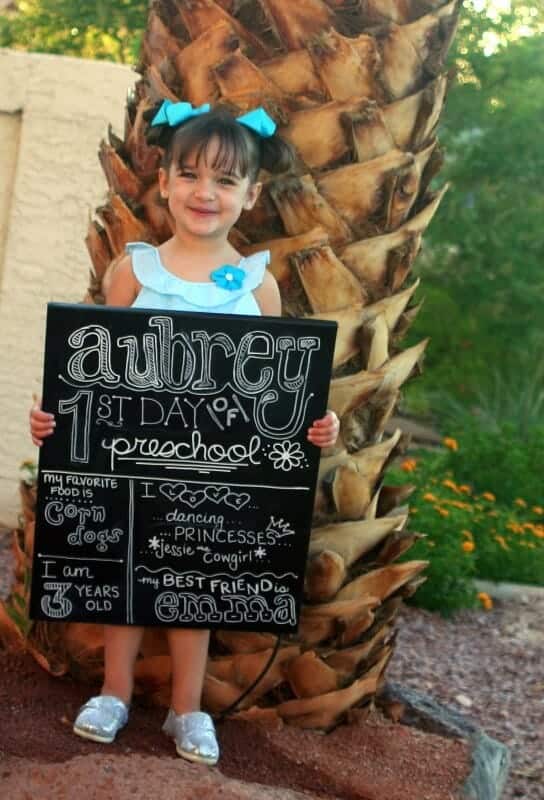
{"x":490,"y":666}
{"x":486,"y":664}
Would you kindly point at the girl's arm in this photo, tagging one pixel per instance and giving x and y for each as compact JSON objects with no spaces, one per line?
{"x":268,"y":296}
{"x":323,"y":432}
{"x":123,"y":287}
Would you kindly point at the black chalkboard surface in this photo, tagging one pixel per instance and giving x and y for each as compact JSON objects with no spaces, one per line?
{"x":177,"y":488}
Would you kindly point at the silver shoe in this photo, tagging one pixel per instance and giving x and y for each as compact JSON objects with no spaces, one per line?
{"x":101,"y":718}
{"x":194,"y":734}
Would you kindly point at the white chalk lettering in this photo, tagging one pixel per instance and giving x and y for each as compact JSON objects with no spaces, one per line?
{"x":168,"y":359}
{"x":124,"y":449}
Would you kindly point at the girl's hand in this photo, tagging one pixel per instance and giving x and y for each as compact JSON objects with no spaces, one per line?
{"x":324,"y":431}
{"x":42,"y":424}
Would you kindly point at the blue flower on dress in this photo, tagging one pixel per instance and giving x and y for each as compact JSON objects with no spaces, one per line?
{"x":228,"y":277}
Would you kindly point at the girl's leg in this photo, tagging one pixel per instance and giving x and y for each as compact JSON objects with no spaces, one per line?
{"x":121,"y":646}
{"x":189,"y":653}
{"x":102,"y":717}
{"x":192,"y":730}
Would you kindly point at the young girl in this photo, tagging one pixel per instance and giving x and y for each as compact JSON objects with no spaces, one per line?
{"x":209,"y":175}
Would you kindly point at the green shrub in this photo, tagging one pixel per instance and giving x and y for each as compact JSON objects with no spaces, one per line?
{"x":467,"y":533}
{"x":501,"y":461}
{"x":451,"y":569}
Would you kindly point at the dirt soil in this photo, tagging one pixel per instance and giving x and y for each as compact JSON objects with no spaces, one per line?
{"x":371,"y":759}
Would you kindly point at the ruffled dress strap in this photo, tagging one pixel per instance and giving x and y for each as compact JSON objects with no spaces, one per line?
{"x":153,"y":275}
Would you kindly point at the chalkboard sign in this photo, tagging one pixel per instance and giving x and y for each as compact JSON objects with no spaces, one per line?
{"x":177,"y":488}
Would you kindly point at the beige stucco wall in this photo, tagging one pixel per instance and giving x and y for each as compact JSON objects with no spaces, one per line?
{"x":53,"y":113}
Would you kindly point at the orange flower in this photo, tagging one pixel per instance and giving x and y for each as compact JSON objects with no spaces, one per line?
{"x":442,"y":511}
{"x":467,"y":534}
{"x":485,"y":600}
{"x":489,"y":496}
{"x":430,"y":498}
{"x":464,"y":488}
{"x":537,"y":510}
{"x":408,"y":465}
{"x":521,"y":503}
{"x":468,"y":547}
{"x":450,"y":442}
{"x":459,"y":504}
{"x":515,"y":527}
{"x":501,"y":540}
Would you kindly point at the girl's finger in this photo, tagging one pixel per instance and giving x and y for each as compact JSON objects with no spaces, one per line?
{"x":322,"y":440}
{"x":43,"y":428}
{"x":36,"y":414}
{"x":330,"y":430}
{"x":323,"y":422}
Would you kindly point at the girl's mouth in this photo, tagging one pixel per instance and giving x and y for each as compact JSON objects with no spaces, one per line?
{"x":204,"y":212}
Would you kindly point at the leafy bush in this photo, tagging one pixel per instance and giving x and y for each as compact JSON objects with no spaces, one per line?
{"x":451,"y":569}
{"x":501,"y":461}
{"x":467,"y":532}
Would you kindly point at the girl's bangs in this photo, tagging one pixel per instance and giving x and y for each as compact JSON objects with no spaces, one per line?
{"x":232,"y":155}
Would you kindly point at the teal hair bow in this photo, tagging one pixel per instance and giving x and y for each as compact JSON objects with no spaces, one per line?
{"x":259,"y":122}
{"x":174,"y":114}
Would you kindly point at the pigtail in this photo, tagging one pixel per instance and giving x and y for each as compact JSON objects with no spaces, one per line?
{"x":157,"y":135}
{"x":277,"y":155}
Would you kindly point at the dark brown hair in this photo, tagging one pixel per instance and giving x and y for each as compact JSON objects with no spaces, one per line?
{"x":240,"y":150}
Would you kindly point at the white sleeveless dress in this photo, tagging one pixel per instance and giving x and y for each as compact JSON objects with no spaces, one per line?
{"x":163,"y":290}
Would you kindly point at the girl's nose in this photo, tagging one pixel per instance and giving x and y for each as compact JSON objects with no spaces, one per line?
{"x":204,"y":188}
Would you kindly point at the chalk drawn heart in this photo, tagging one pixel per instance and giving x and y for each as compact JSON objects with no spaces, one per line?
{"x":172,"y":491}
{"x":216,"y":493}
{"x":193,"y":499}
{"x":237,"y":501}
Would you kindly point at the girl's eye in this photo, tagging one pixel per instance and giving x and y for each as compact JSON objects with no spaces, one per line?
{"x":226,"y":181}
{"x":187,"y":173}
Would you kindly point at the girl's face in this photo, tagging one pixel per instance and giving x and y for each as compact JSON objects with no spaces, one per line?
{"x":204,"y":199}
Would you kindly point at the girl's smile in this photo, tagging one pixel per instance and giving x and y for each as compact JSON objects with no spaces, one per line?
{"x":205,"y":212}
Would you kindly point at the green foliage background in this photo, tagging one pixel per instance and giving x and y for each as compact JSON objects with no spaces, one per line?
{"x":107,"y":29}
{"x":483,"y":259}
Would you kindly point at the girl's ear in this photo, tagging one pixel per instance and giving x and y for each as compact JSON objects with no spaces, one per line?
{"x":252,"y":195}
{"x":163,"y":183}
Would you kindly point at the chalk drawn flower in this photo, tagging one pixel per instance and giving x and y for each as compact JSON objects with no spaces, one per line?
{"x":154,"y":543}
{"x":286,"y":455}
{"x":228,"y":277}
